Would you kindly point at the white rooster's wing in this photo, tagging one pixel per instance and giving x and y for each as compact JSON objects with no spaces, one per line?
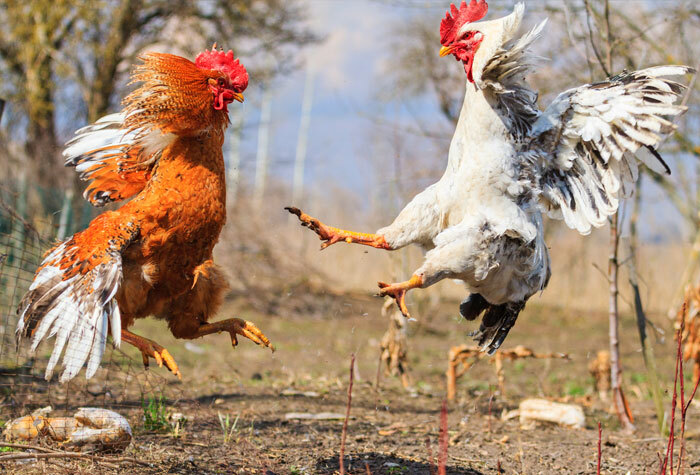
{"x":580,"y":153}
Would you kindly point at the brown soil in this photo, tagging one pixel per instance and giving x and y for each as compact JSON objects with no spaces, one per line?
{"x":389,"y":426}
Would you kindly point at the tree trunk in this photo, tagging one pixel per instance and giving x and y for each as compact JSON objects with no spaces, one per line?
{"x":619,"y":401}
{"x":42,"y":146}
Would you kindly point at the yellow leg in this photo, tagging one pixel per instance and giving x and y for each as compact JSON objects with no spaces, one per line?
{"x":398,"y":291}
{"x":330,"y":235}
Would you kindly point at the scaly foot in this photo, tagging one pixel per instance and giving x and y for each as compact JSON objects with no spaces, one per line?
{"x":398,"y":291}
{"x":236,"y":326}
{"x":330,"y":235}
{"x":151,"y":349}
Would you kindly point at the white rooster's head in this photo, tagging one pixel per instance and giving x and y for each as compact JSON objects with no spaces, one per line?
{"x":475,"y":42}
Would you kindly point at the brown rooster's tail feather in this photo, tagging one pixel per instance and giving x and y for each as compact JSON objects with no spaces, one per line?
{"x":72,"y":297}
{"x":495,"y":325}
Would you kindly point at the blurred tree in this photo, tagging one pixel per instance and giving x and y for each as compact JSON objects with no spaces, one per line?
{"x":53,"y":49}
{"x":34,"y":32}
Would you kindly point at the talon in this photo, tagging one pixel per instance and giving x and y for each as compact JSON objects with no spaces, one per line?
{"x":330,"y":235}
{"x":151,"y":349}
{"x":398,"y":292}
{"x":237,"y":326}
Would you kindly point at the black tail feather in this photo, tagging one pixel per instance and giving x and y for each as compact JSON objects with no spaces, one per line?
{"x":495,"y":325}
{"x":472,"y":306}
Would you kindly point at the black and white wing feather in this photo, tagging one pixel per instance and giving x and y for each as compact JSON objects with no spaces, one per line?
{"x":580,"y":154}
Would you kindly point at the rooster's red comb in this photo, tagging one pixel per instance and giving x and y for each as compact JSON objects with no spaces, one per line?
{"x":455,"y":19}
{"x":224,"y":62}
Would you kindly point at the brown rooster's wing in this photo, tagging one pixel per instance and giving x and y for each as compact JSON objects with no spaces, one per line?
{"x":73,"y":293}
{"x":115,"y":160}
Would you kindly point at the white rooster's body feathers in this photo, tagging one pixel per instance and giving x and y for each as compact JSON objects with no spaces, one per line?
{"x":509,"y":163}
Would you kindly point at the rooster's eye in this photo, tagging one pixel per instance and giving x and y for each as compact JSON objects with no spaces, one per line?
{"x":221,"y":81}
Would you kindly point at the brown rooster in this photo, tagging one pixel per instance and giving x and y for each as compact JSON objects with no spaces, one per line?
{"x":153,"y":256}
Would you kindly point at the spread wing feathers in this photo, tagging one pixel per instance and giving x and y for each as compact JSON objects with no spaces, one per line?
{"x":115,"y":159}
{"x":505,"y":74}
{"x":72,"y":297}
{"x":580,"y":152}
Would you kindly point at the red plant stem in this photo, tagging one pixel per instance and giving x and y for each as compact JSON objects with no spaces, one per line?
{"x":367,"y":468}
{"x":600,"y":448}
{"x":347,"y":416}
{"x":442,"y":454}
{"x":668,"y":462}
{"x":684,"y":405}
{"x":431,"y":462}
{"x":490,"y":405}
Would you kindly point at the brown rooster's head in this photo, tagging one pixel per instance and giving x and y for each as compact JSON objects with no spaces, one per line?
{"x":475,"y":43}
{"x":227,"y":77}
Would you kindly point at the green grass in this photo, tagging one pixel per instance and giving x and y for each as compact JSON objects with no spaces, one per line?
{"x":155,"y":417}
{"x":227,"y":427}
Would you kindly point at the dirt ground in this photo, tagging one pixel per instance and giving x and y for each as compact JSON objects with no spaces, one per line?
{"x":390,"y":427}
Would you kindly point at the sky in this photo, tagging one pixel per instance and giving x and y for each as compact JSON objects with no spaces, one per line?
{"x":346,"y":68}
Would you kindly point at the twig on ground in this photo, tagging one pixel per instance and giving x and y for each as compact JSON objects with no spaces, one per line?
{"x":442,"y":454}
{"x":431,"y":462}
{"x":490,"y":405}
{"x":600,"y":448}
{"x":459,"y":363}
{"x":73,"y":455}
{"x":27,"y":447}
{"x":347,"y":416}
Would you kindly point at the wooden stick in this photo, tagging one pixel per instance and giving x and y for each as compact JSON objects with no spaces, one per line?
{"x":28,"y":447}
{"x":72,"y":455}
{"x":442,"y":453}
{"x":347,"y":416}
{"x":600,"y":449}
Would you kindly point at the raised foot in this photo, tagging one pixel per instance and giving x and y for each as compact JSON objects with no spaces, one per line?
{"x":236,"y":326}
{"x":398,"y":292}
{"x":330,"y":235}
{"x":151,"y":349}
{"x":325,"y":233}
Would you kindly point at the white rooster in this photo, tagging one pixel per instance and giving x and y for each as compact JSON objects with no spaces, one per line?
{"x":509,"y":163}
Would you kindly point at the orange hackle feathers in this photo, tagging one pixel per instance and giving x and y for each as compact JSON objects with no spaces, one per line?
{"x":174,"y":97}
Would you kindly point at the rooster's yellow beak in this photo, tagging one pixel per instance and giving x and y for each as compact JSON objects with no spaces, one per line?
{"x":238,"y":96}
{"x":445,"y":50}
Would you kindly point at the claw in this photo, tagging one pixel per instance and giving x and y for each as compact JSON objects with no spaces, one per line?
{"x":398,"y":292}
{"x":250,"y":331}
{"x":316,"y":226}
{"x":151,"y":349}
{"x":330,"y":235}
{"x":236,"y":326}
